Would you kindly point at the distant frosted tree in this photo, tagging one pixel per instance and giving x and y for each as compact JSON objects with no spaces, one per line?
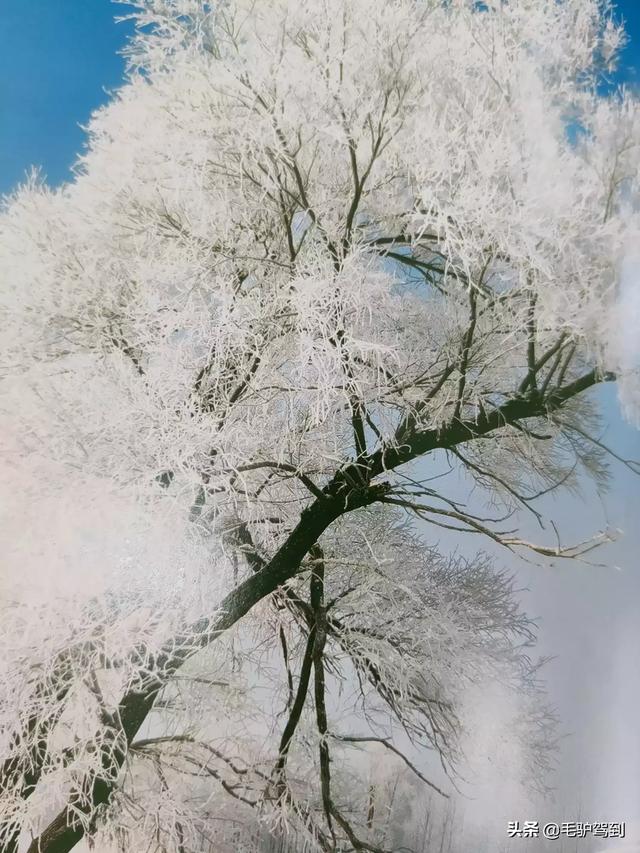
{"x":309,"y":245}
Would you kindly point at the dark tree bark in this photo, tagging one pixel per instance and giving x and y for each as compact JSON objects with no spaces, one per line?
{"x":351,"y":488}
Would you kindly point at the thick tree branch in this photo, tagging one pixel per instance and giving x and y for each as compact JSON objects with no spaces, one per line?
{"x":341,"y":497}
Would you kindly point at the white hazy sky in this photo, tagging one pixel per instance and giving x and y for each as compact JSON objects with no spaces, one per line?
{"x":589,"y":621}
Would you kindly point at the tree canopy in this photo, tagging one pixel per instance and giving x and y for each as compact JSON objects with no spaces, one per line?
{"x":310,"y":246}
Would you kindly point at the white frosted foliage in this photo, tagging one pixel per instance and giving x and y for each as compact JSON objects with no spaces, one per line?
{"x":307,"y":245}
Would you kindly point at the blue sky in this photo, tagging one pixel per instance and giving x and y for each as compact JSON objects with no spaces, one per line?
{"x":59,"y":57}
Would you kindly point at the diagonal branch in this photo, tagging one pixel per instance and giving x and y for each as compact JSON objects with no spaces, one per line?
{"x":387,"y":743}
{"x":341,"y":496}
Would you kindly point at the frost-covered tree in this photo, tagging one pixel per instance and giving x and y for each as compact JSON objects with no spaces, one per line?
{"x":310,"y":245}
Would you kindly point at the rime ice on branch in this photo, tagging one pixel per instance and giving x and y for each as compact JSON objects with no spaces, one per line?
{"x":309,"y":244}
